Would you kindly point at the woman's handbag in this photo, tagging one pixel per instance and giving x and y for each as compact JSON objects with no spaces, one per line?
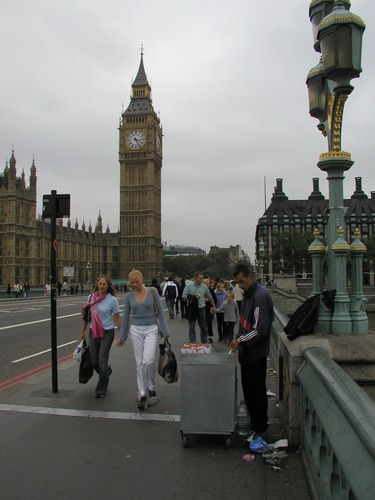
{"x":85,"y":369}
{"x":167,"y":363}
{"x":87,"y":313}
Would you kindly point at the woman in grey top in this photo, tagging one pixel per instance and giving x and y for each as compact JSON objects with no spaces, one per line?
{"x":139,"y":320}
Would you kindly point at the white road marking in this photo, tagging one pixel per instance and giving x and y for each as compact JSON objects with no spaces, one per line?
{"x":43,"y":352}
{"x":38,"y":321}
{"x":42,"y":410}
{"x":28,"y":309}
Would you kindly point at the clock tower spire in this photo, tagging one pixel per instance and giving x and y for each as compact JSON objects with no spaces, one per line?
{"x":140,"y":157}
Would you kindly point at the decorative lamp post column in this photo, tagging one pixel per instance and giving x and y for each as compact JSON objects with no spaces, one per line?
{"x":357,"y":298}
{"x":339,"y":39}
{"x":341,"y":321}
{"x":317,"y":251}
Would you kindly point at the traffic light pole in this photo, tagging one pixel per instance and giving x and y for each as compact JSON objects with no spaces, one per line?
{"x":53,"y":293}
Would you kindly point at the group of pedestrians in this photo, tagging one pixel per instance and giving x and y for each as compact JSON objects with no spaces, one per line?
{"x":199,"y":301}
{"x":20,"y":290}
{"x":247,"y":311}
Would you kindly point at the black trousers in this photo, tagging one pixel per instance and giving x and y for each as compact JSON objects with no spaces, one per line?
{"x":253,"y":378}
{"x":228,"y":329}
{"x":220,"y":324}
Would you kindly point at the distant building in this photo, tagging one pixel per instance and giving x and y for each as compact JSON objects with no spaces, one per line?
{"x":184,"y":250}
{"x":302,"y":216}
{"x":235,"y":254}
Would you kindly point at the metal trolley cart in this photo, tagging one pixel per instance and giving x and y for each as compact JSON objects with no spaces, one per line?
{"x":208,"y":395}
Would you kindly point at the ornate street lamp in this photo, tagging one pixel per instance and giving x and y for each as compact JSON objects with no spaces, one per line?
{"x":339,"y":39}
{"x":338,"y":36}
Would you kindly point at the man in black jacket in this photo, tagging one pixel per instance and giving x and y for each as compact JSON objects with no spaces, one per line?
{"x":253,"y":342}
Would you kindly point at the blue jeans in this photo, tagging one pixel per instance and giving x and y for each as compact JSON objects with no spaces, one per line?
{"x":170,"y":305}
{"x":99,"y":354}
{"x":202,"y":326}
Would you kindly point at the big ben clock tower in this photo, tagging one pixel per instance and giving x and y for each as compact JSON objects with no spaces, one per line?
{"x":140,"y":156}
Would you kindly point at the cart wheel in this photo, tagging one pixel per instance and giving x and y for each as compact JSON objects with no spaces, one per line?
{"x":228,"y":442}
{"x":185,"y":440}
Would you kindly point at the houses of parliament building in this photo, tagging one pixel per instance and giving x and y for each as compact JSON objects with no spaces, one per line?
{"x":25,"y":241}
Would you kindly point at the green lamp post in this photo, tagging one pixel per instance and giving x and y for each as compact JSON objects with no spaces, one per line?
{"x":338,"y":37}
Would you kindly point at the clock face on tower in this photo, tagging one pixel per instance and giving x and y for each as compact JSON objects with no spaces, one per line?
{"x":136,"y":139}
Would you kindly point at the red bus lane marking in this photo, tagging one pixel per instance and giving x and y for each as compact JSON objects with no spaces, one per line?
{"x":23,"y":376}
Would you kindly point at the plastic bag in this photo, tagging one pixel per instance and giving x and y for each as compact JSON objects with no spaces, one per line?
{"x":77,"y":354}
{"x":85,"y":369}
{"x":167,"y":363}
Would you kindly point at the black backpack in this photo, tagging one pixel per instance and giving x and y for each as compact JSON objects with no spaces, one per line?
{"x":170,"y":292}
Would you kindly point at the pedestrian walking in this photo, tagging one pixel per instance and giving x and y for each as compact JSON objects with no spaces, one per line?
{"x":238,"y":295}
{"x":181,"y":286}
{"x":178,"y":301}
{"x":209,"y":313}
{"x":101,"y":311}
{"x":195,"y":294}
{"x":221,"y":296}
{"x":155,"y":284}
{"x":142,"y":313}
{"x":170,"y":292}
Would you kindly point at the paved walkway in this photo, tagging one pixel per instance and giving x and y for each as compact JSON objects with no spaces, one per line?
{"x":70,"y":445}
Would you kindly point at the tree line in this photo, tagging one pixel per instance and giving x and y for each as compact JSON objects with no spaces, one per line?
{"x":289,"y":252}
{"x":216,"y":264}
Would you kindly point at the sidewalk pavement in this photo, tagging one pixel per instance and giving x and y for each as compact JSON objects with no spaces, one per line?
{"x":70,"y":445}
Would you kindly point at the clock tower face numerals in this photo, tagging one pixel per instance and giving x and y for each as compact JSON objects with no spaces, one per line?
{"x":135,"y":139}
{"x":158,"y":143}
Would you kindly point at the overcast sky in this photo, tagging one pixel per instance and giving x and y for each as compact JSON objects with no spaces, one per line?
{"x":228,"y":79}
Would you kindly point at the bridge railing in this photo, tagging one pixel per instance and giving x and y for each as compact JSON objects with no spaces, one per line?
{"x":337,"y":421}
{"x":338,"y":430}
